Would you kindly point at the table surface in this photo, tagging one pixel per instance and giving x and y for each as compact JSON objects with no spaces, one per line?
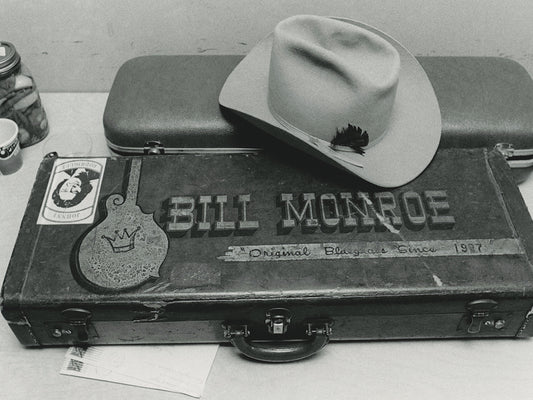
{"x":436,"y":369}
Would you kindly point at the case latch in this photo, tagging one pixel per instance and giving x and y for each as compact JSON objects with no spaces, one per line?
{"x":516,"y":158}
{"x":154,"y":147}
{"x":520,"y":160}
{"x":78,"y":318}
{"x":277,"y":320}
{"x":480,"y":311}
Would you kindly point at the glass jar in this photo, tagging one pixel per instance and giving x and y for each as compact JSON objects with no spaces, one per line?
{"x":19,"y":97}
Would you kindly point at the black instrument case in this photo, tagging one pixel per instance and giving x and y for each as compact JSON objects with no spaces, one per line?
{"x":272,"y":251}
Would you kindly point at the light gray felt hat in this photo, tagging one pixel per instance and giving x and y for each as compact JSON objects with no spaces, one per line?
{"x":318,"y":82}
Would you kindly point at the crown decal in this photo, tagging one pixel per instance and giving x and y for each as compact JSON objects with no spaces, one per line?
{"x":352,"y":137}
{"x":122,"y":241}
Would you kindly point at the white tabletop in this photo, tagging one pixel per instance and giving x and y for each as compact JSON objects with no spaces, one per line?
{"x":434,"y":369}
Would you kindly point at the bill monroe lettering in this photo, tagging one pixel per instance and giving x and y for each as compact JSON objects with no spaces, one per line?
{"x":188,"y":212}
{"x":333,"y":212}
{"x":348,"y":211}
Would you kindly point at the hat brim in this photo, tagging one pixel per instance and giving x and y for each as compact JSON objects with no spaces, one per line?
{"x":399,"y":157}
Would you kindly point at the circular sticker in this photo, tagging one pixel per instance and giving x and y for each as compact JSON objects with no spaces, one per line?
{"x":9,"y":150}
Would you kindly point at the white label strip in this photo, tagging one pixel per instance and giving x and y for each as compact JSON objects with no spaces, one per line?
{"x":354,"y":250}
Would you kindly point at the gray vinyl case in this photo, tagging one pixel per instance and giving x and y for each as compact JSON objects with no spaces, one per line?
{"x":169,"y":105}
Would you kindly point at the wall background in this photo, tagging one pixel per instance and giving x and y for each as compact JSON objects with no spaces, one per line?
{"x":78,"y":45}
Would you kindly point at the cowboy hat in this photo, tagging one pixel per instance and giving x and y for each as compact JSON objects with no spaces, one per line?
{"x":342,"y":91}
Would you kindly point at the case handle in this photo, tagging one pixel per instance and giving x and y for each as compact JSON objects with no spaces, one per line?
{"x":279,"y":350}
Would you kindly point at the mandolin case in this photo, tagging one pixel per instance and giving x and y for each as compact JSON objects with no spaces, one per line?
{"x":272,"y":251}
{"x":169,"y":104}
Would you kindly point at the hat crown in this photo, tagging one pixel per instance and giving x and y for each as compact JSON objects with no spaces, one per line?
{"x":326,"y":74}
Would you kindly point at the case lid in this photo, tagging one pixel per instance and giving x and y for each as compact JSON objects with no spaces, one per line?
{"x":269,"y":227}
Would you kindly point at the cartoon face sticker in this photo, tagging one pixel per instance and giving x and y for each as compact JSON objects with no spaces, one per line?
{"x":75,"y":186}
{"x":73,"y":191}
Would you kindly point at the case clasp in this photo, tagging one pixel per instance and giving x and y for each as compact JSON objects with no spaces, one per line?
{"x":154,"y":147}
{"x":78,"y":318}
{"x":516,"y":158}
{"x":278,"y":320}
{"x":480,"y":311}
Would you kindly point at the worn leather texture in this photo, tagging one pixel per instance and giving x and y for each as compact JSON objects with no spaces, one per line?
{"x":402,"y":263}
{"x":173,"y":100}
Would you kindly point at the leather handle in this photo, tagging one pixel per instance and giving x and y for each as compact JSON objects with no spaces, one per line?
{"x":281,"y":351}
{"x":278,"y":350}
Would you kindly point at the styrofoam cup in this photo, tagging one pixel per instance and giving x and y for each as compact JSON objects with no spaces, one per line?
{"x":10,"y":154}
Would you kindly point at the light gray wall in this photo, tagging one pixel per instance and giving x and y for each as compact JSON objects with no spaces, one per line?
{"x":78,"y":45}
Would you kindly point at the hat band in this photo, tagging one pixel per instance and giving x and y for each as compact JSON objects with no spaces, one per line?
{"x":320,"y":144}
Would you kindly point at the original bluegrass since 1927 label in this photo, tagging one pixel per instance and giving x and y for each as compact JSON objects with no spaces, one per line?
{"x":353,"y":250}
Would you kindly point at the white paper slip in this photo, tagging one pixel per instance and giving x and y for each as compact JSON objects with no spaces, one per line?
{"x":176,"y":368}
{"x":76,"y":367}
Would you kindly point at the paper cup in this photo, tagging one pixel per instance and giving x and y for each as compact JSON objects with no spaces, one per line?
{"x":10,"y":155}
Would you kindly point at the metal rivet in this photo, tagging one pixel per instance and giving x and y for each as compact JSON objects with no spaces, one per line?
{"x":499,"y":324}
{"x":57,"y":333}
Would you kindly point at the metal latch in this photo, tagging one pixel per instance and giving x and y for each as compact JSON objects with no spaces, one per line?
{"x":516,"y":158}
{"x":479,"y":313}
{"x":78,"y":318}
{"x":153,"y":147}
{"x":277,"y":320}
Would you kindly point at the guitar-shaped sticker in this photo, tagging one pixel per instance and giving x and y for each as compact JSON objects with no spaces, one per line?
{"x":127,"y":248}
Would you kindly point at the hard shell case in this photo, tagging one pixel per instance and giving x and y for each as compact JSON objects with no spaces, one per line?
{"x":169,"y":104}
{"x":274,"y":252}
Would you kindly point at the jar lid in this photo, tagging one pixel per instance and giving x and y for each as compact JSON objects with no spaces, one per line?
{"x":9,"y":58}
